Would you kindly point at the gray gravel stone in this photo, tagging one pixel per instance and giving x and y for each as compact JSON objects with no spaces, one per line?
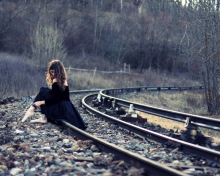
{"x":46,"y":149}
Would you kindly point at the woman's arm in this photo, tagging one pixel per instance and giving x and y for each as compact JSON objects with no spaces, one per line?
{"x":38,"y":103}
{"x":54,"y":99}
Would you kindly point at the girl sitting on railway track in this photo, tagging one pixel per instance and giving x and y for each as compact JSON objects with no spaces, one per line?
{"x":55,"y":103}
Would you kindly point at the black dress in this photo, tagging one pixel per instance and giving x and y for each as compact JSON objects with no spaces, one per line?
{"x":58,"y":106}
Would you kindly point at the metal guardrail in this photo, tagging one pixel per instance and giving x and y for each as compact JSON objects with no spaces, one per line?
{"x":84,"y":91}
{"x":156,"y":88}
{"x":121,"y":90}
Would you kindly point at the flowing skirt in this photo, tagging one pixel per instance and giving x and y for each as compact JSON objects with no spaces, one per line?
{"x":62,"y":111}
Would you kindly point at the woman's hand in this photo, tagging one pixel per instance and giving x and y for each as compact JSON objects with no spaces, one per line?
{"x":38,"y":103}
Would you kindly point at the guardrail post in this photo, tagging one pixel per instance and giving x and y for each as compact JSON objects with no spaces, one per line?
{"x":124,"y":67}
{"x":116,"y":103}
{"x":69,"y":69}
{"x":113,"y":104}
{"x":190,"y":127}
{"x":94,"y":72}
{"x":99,"y":97}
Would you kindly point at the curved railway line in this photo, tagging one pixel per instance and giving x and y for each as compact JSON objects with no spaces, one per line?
{"x":191,"y":121}
{"x":138,"y":146}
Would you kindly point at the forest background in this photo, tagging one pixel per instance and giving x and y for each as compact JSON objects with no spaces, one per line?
{"x":165,"y":42}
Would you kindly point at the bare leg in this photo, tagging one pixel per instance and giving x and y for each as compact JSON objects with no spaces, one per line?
{"x":28,"y":114}
{"x":42,"y":119}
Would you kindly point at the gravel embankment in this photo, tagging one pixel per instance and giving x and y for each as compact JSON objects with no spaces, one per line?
{"x":36,"y":149}
{"x":47,"y":149}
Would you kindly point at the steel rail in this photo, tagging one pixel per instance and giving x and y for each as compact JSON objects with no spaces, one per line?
{"x":129,"y":157}
{"x":196,"y":120}
{"x":84,"y":91}
{"x":209,"y":154}
{"x":139,"y":89}
{"x":153,"y":88}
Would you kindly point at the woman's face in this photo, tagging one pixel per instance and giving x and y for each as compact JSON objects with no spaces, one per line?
{"x":53,"y":74}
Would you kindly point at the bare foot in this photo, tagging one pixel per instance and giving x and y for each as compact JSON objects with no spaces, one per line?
{"x":28,"y":114}
{"x":42,"y":119}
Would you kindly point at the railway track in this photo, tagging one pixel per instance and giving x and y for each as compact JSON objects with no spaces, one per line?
{"x":193,"y":121}
{"x":150,"y":166}
{"x":208,"y":154}
{"x":102,"y":134}
{"x":189,"y":119}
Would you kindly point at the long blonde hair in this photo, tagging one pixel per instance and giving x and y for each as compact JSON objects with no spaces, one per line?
{"x":59,"y":71}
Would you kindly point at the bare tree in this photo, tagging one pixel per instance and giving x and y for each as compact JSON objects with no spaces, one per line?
{"x":47,"y":42}
{"x":203,"y":43}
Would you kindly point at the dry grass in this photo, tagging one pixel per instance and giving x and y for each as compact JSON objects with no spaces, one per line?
{"x":23,"y":78}
{"x":164,"y":123}
{"x":18,"y":77}
{"x":85,"y":80}
{"x":192,"y":102}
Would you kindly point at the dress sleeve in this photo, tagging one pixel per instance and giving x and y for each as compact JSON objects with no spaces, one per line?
{"x":56,"y":95}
